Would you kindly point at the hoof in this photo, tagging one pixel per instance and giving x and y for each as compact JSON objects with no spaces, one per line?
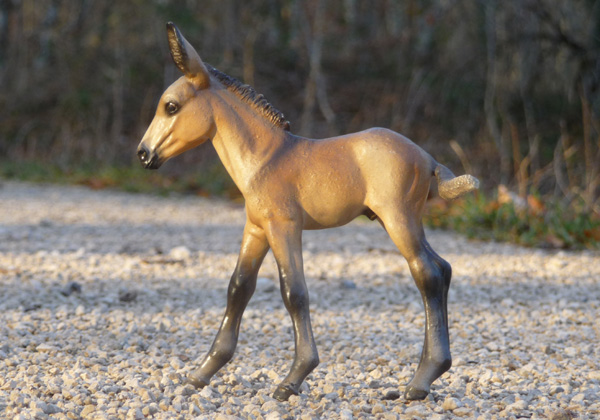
{"x":284,"y":392}
{"x":413,"y":394}
{"x":196,"y":381}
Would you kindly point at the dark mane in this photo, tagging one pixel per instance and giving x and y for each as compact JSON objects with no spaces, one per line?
{"x":247,"y":94}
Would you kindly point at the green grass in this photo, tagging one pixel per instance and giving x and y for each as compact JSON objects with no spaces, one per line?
{"x":209,"y":182}
{"x":551,"y":226}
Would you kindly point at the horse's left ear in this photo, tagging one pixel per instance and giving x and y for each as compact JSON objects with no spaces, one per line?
{"x":186,"y":58}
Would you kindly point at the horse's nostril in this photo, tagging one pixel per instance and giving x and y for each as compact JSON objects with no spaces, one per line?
{"x":143,"y":154}
{"x":148,"y":159}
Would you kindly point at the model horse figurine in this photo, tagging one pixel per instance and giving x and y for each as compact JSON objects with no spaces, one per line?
{"x":291,"y":183}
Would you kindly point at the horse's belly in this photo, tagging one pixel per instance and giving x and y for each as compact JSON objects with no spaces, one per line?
{"x":331,"y":191}
{"x":329,"y":213}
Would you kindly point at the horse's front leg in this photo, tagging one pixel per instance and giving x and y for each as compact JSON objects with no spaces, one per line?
{"x":286,"y":242}
{"x":241,"y":287}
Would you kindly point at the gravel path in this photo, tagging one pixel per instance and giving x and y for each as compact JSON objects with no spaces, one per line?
{"x":108,"y":300}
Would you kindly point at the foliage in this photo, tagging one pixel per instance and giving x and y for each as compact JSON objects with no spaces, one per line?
{"x":81,"y":79}
{"x":549,"y":225}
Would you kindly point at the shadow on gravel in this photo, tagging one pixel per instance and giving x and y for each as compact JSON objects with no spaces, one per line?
{"x":209,"y":238}
{"x":187,"y":285}
{"x":119,"y":239}
{"x":334,"y":294}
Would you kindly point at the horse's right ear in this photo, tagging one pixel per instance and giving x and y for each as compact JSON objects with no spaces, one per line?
{"x":186,"y":58}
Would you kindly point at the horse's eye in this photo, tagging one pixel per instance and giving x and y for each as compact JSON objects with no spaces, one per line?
{"x":171,"y":108}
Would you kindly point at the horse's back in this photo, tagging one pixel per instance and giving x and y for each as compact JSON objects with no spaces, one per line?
{"x":382,"y":154}
{"x":383,"y":143}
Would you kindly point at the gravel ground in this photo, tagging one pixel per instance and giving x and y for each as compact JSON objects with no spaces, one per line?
{"x":109,"y":299}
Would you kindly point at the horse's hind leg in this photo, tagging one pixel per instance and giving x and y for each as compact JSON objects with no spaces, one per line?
{"x":446,"y":270}
{"x":241,"y":287}
{"x":432,"y":276}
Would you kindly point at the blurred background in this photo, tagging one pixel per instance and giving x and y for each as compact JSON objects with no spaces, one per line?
{"x":506,"y":90}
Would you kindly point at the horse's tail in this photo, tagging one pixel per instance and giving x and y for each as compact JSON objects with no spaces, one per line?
{"x":451,"y":186}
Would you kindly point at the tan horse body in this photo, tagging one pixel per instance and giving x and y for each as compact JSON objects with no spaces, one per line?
{"x":292,"y":183}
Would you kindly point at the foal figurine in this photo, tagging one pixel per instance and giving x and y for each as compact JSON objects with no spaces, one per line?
{"x":291,"y":183}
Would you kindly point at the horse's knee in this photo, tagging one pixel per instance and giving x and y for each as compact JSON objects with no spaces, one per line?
{"x":242,"y":285}
{"x":294,"y":294}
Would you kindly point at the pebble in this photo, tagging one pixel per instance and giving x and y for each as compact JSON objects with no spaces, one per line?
{"x":391,"y":395}
{"x":70,"y":288}
{"x":348,"y":284}
{"x":127,"y":295}
{"x":180,"y":253}
{"x":578,"y":398}
{"x":416,"y":409}
{"x":87,"y":410}
{"x":517,"y":406}
{"x":96,"y":322}
{"x":451,"y":404}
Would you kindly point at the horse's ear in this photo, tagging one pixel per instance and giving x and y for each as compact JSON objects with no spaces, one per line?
{"x":186,"y":58}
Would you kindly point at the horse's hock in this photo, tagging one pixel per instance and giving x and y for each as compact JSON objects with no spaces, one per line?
{"x":291,"y":184}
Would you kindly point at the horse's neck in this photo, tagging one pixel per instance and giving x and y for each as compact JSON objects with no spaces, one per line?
{"x":244,"y":141}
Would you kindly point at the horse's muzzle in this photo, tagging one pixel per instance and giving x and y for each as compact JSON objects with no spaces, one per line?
{"x":148,"y":159}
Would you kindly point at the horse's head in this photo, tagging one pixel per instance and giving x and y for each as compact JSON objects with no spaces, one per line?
{"x":183,"y":119}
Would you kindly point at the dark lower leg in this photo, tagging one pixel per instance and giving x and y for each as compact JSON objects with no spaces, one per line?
{"x":241,"y":289}
{"x":295,"y":297}
{"x":223,"y":347}
{"x":446,"y":270}
{"x":285,"y":238}
{"x":435,"y":357}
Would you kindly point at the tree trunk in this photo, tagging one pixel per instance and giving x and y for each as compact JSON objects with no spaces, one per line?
{"x":315,"y":86}
{"x":489,"y":105}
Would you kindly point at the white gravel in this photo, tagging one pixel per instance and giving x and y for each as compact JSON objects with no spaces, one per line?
{"x":108,"y":300}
